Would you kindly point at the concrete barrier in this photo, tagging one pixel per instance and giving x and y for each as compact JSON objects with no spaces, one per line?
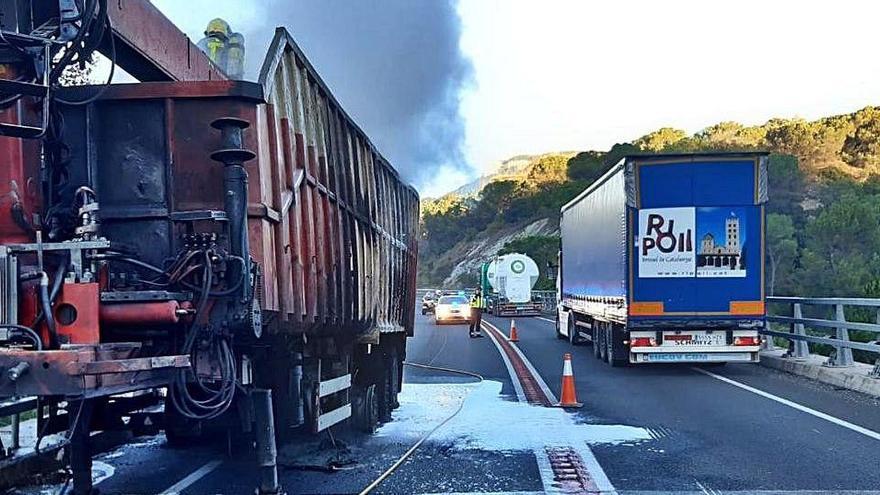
{"x":856,"y":377}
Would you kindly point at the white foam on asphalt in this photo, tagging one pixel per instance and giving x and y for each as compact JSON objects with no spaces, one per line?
{"x":488,"y":421}
{"x":101,"y":471}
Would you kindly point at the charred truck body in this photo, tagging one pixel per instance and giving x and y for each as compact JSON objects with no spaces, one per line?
{"x":662,"y":260}
{"x":236,"y":244}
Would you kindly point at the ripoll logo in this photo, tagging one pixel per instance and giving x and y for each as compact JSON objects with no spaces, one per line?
{"x":666,"y":242}
{"x":518,"y":266}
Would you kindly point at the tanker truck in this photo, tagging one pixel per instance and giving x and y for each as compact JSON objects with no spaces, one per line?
{"x":507,"y":282}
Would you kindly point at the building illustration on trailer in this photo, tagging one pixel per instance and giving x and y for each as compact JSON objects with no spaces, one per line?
{"x":715,"y":259}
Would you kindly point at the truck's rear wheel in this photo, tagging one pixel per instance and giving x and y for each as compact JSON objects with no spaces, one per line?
{"x":594,"y":334}
{"x":573,"y":337}
{"x":611,"y":356}
{"x":603,"y":340}
{"x":365,"y":414}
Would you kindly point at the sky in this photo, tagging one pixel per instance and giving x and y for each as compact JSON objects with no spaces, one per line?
{"x":447,"y":89}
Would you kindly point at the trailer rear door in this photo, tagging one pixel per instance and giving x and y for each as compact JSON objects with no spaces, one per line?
{"x":697,"y":229}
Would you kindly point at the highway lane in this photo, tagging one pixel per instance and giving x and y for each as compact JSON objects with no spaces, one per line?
{"x":708,"y":434}
{"x":699,"y":434}
{"x":445,"y":463}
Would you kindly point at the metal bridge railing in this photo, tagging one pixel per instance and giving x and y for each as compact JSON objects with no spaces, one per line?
{"x":547,"y":298}
{"x":838,"y":328}
{"x":13,"y":409}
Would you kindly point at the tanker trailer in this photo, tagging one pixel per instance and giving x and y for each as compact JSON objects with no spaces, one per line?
{"x":511,"y":278}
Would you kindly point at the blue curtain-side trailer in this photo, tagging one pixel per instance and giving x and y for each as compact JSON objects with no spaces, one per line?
{"x":662,"y":260}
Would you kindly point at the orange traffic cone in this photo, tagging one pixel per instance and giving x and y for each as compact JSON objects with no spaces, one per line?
{"x":513,"y":336}
{"x":569,"y":396}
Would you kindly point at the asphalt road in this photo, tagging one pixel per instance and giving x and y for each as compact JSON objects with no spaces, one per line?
{"x":657,"y":429}
{"x":708,"y":434}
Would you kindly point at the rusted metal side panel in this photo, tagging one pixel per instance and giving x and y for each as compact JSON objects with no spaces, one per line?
{"x":351,"y":227}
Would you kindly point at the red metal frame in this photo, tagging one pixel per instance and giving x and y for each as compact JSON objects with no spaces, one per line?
{"x":151,"y":48}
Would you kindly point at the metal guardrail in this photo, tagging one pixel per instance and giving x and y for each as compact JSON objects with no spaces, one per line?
{"x":548,"y":299}
{"x":842,"y":355}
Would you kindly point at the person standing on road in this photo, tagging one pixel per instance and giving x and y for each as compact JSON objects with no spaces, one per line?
{"x":476,"y":313}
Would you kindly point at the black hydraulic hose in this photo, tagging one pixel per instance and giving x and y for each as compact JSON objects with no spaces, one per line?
{"x":47,"y":312}
{"x":56,"y":288}
{"x":45,"y":305}
{"x":131,"y":261}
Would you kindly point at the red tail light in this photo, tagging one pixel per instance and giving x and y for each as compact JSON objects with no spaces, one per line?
{"x":643,"y":342}
{"x":747,"y":341}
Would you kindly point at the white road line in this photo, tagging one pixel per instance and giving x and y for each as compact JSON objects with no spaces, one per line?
{"x":702,"y":488}
{"x":546,"y":319}
{"x":547,"y":392}
{"x":547,"y":476}
{"x":840,"y":422}
{"x":192,"y":478}
{"x":517,"y":386}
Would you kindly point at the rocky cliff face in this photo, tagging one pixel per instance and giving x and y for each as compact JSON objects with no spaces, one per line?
{"x":464,"y":259}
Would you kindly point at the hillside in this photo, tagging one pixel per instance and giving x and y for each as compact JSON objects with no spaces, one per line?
{"x":823,"y":223}
{"x":504,"y":170}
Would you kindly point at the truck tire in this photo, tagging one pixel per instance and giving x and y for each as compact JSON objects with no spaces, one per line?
{"x":573,"y":337}
{"x":385,"y":391}
{"x":612,"y":356}
{"x":395,"y":378}
{"x":594,"y":334}
{"x":365,"y":410}
{"x":603,"y":340}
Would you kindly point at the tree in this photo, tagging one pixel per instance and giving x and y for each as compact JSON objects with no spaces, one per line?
{"x":618,"y":151}
{"x":786,"y":183}
{"x":840,"y":247}
{"x":731,"y":136}
{"x":782,"y":248}
{"x":549,"y":169}
{"x":660,"y":140}
{"x":587,"y":166}
{"x":862,"y":147}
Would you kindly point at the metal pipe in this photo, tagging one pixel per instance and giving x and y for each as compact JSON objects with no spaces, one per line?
{"x":140,"y":313}
{"x":296,"y":376}
{"x":16,"y":431}
{"x":235,"y":184}
{"x":265,"y":436}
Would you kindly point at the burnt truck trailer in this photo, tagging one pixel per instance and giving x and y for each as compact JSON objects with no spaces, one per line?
{"x":241,"y":245}
{"x":662,"y":260}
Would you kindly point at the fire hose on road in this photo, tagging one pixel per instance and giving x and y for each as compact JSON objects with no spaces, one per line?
{"x":406,"y":455}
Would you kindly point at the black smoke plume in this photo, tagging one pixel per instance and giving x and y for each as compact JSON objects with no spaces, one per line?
{"x":396,"y":67}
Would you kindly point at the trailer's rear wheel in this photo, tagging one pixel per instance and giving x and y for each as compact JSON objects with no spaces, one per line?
{"x":612,"y":356}
{"x":396,"y":373}
{"x":385,"y":390}
{"x":594,"y":334}
{"x":365,"y":413}
{"x":573,"y":337}
{"x":603,"y":340}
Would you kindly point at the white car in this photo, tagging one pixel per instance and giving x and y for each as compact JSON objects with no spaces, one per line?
{"x":452,"y":309}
